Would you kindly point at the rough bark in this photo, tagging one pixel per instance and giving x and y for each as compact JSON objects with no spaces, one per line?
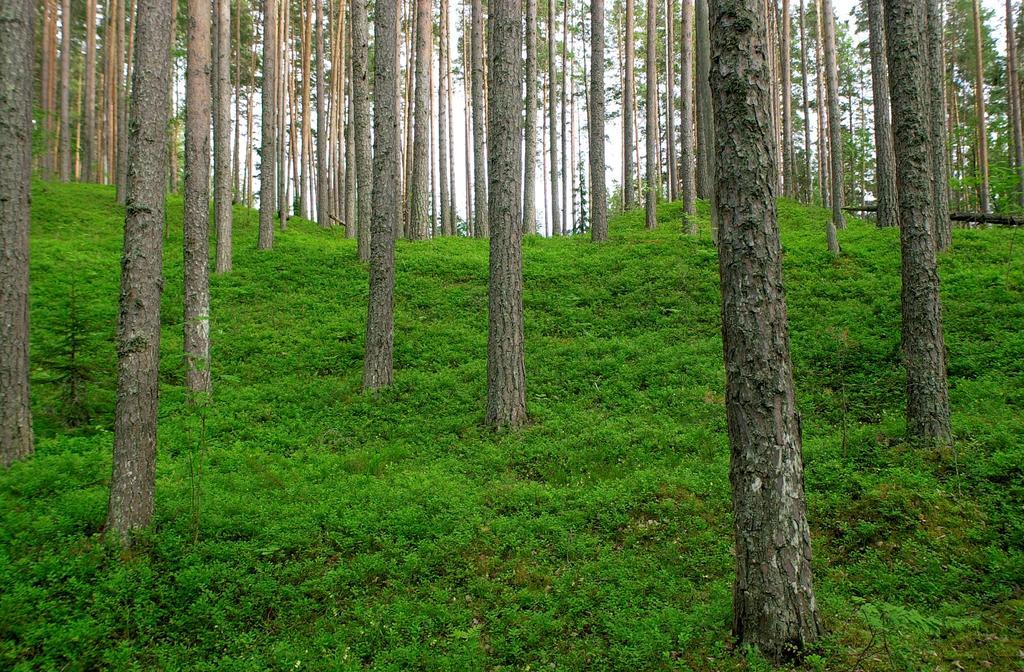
{"x":17,"y":30}
{"x":923,"y":343}
{"x":937,"y":120}
{"x":506,"y":372}
{"x":133,"y":483}
{"x":197,"y":200}
{"x":1013,"y":94}
{"x":835,"y":139}
{"x":268,"y":133}
{"x":653,"y":178}
{"x":419,"y":213}
{"x":480,"y":227}
{"x":222,"y":154}
{"x":628,"y":103}
{"x":705,"y":108}
{"x":380,"y":331}
{"x":774,"y":608}
{"x":598,"y":195}
{"x":885,"y":156}
{"x":686,"y":137}
{"x":361,"y":118}
{"x":530,"y":130}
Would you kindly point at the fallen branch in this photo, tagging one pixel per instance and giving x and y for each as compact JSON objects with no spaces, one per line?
{"x":972,"y":217}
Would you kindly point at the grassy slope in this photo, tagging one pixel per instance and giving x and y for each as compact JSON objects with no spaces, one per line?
{"x":340,"y":530}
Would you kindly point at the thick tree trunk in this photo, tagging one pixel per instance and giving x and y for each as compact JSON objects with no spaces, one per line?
{"x":686,"y":138}
{"x":419,"y":215}
{"x":628,"y":103}
{"x":835,"y":139}
{"x":268,"y":134}
{"x":774,"y":608}
{"x":530,"y":130}
{"x":1013,"y":95}
{"x":506,"y":372}
{"x":17,"y":32}
{"x":480,"y":227}
{"x":361,"y":114}
{"x":380,"y":331}
{"x":885,"y":156}
{"x":705,"y":109}
{"x":937,"y":120}
{"x":598,"y":195}
{"x":979,"y":109}
{"x":65,"y":91}
{"x":133,"y":483}
{"x":197,"y":200}
{"x":653,"y":178}
{"x":222,"y":154}
{"x":923,"y":343}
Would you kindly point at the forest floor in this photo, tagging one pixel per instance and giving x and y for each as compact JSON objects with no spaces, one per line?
{"x":301,"y":524}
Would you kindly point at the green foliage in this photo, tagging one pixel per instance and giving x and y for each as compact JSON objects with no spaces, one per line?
{"x":338,"y":530}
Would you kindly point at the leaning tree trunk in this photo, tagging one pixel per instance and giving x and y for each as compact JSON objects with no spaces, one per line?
{"x":628,"y":102}
{"x":686,"y":139}
{"x":835,"y":140}
{"x":773,"y":597}
{"x":1013,"y":94}
{"x":17,"y":30}
{"x":923,"y":343}
{"x":937,"y":120}
{"x":598,"y":195}
{"x":885,"y":156}
{"x":480,"y":227}
{"x":361,"y":118}
{"x":133,"y":484}
{"x":419,"y":215}
{"x":530,"y":130}
{"x":222,"y":154}
{"x":653,"y":178}
{"x":268,"y":134}
{"x":506,"y":371}
{"x":196,"y":237}
{"x":380,"y":329}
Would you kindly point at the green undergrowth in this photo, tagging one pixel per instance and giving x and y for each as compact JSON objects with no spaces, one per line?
{"x":302,"y":524}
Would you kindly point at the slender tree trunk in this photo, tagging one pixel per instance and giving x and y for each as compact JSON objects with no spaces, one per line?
{"x":773,"y":597}
{"x":506,"y":372}
{"x":808,"y":186}
{"x":222,"y":171}
{"x":530,"y":131}
{"x":133,"y":483}
{"x":361,"y":113}
{"x":322,"y":173}
{"x":979,"y":110}
{"x":65,"y":91}
{"x":1013,"y":94}
{"x":651,"y":210}
{"x":467,"y":118}
{"x":705,"y":109}
{"x":670,"y":102}
{"x":453,"y":210}
{"x":834,"y":124}
{"x":88,"y":149}
{"x":566,"y":215}
{"x":283,"y":89}
{"x":236,"y":154}
{"x":419,"y":216}
{"x":444,"y":124}
{"x":598,"y":195}
{"x":479,"y":119}
{"x":268,"y":135}
{"x":937,"y":120}
{"x":351,"y":168}
{"x":380,"y":332}
{"x":885,"y":157}
{"x":686,"y":140}
{"x":197,"y":201}
{"x":785,"y":61}
{"x":923,"y":342}
{"x":822,"y":139}
{"x":628,"y":122}
{"x":17,"y":52}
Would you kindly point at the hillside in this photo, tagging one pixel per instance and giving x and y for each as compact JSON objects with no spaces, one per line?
{"x":304,"y":525}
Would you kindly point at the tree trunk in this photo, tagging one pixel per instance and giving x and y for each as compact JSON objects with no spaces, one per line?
{"x":419,"y":215}
{"x":17,"y":52}
{"x":937,"y":120}
{"x":530,"y":131}
{"x":380,"y":330}
{"x":88,"y":148}
{"x":361,"y":113}
{"x":197,"y":201}
{"x":1013,"y":94}
{"x":686,"y":139}
{"x":670,"y":102}
{"x":785,"y":60}
{"x":479,"y":118}
{"x":65,"y":91}
{"x":923,"y":343}
{"x":979,"y":110}
{"x":598,"y":195}
{"x":628,"y":103}
{"x":268,"y":134}
{"x":351,"y":169}
{"x":808,"y":187}
{"x":885,"y":158}
{"x":236,"y":157}
{"x":566,"y":215}
{"x":443,"y":124}
{"x":705,"y":109}
{"x":773,"y":597}
{"x":222,"y":154}
{"x":322,"y":178}
{"x":467,"y":119}
{"x":835,"y":139}
{"x":133,"y":483}
{"x":653,"y":178}
{"x":506,"y":372}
